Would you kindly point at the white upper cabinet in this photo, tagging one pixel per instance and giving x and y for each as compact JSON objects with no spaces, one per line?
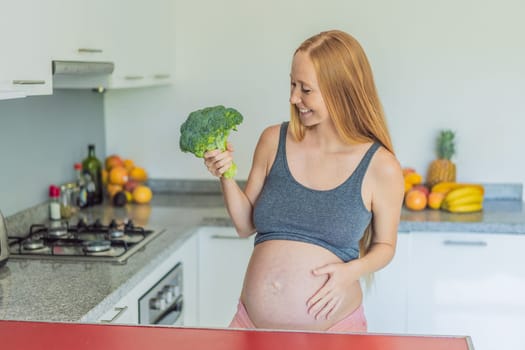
{"x":81,"y":29}
{"x":142,"y":40}
{"x":25,"y":64}
{"x":135,"y":35}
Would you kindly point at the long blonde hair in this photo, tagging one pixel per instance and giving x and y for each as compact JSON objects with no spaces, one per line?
{"x":347,"y":85}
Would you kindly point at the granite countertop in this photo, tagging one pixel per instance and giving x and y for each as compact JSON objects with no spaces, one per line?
{"x":43,"y":290}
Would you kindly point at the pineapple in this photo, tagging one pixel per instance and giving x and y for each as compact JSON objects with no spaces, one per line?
{"x":443,"y":169}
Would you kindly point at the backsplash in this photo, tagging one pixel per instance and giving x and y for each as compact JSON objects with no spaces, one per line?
{"x":41,"y":137}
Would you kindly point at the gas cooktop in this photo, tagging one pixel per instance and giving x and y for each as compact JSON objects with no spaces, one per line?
{"x":114,"y":242}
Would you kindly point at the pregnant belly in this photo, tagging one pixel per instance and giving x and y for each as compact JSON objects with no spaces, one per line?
{"x":279,"y":282}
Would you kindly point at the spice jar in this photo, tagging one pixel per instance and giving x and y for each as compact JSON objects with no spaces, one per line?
{"x":54,"y":202}
{"x":67,"y":200}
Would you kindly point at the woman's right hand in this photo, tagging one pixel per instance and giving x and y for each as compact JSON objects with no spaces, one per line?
{"x":218,"y":162}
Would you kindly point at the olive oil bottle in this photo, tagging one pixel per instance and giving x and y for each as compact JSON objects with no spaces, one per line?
{"x":92,"y":170}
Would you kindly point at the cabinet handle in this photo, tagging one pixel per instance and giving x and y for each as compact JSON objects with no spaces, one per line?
{"x":161,"y":76}
{"x":465,"y":243}
{"x":88,"y":50}
{"x":133,"y":77}
{"x":29,"y":82}
{"x":226,"y":237}
{"x":119,"y":310}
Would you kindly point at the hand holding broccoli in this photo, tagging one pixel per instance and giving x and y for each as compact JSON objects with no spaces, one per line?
{"x":208,"y":129}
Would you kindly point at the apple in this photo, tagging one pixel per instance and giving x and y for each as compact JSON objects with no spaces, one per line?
{"x":407,"y":171}
{"x":422,"y":188}
{"x":130,"y":185}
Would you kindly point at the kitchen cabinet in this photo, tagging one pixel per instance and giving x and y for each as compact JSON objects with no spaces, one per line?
{"x":136,"y":36}
{"x":188,"y":253}
{"x":223,"y":259}
{"x":25,"y":63}
{"x":126,"y":310}
{"x":81,"y":29}
{"x":142,"y":35}
{"x":468,"y":284}
{"x":385,"y":300}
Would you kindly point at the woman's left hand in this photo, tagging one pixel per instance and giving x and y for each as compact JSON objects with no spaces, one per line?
{"x":334,"y":292}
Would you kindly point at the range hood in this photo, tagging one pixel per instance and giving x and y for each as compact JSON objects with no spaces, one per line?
{"x":81,"y":74}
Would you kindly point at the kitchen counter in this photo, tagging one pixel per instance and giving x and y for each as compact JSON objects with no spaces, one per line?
{"x":58,"y":336}
{"x":43,"y":290}
{"x":498,"y":216}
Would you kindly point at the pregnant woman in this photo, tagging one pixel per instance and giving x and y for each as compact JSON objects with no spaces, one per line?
{"x":323,"y":196}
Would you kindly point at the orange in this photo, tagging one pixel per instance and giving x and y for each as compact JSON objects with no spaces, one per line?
{"x":408,"y":186}
{"x":415,"y":200}
{"x":138,"y":174}
{"x":435,"y":199}
{"x":414,"y":178}
{"x":104,"y":176}
{"x":112,"y":189}
{"x":113,"y":161}
{"x":128,"y":164}
{"x":118,"y":175}
{"x":142,"y":194}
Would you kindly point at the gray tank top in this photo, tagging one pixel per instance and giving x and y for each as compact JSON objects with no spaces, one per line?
{"x":333,"y":219}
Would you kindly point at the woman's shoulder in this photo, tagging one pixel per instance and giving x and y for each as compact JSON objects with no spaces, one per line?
{"x":267,"y":146}
{"x":385,"y":164}
{"x":270,"y":135}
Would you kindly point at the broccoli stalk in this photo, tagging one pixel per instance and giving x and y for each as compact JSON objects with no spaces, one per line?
{"x":208,"y":129}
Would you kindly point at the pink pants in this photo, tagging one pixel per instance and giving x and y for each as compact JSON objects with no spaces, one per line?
{"x":354,"y":322}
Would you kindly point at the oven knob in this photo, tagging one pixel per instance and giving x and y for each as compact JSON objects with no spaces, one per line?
{"x":97,"y":224}
{"x":158,"y":303}
{"x":170,"y":290}
{"x":168,"y":293}
{"x":113,"y":224}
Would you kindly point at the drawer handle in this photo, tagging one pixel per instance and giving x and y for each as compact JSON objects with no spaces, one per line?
{"x":465,"y":243}
{"x":133,"y":77}
{"x":161,"y":76}
{"x":119,"y":310}
{"x":88,"y":50}
{"x":29,"y":82}
{"x":226,"y":237}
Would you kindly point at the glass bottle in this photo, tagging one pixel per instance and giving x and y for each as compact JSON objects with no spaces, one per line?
{"x":82,"y":197}
{"x":92,"y":167}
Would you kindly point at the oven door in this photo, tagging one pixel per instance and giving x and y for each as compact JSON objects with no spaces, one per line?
{"x":163,"y":304}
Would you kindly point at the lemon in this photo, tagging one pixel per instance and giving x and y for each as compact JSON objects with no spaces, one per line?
{"x":142,"y":194}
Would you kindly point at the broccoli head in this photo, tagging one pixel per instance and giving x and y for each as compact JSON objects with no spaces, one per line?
{"x":208,"y":129}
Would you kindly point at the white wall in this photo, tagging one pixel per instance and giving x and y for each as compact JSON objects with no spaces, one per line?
{"x":455,"y":64}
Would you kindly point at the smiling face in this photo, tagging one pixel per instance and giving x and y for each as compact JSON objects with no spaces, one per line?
{"x":305,"y":94}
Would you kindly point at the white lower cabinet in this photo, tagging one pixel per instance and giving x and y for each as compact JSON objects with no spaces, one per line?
{"x":126,"y":310}
{"x":223,"y":258}
{"x":468,"y":284}
{"x":385,"y":300}
{"x":188,"y":254}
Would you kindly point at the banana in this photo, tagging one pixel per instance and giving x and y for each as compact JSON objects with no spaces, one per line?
{"x":445,"y":187}
{"x":466,"y":199}
{"x":463,"y":191}
{"x":466,"y":208}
